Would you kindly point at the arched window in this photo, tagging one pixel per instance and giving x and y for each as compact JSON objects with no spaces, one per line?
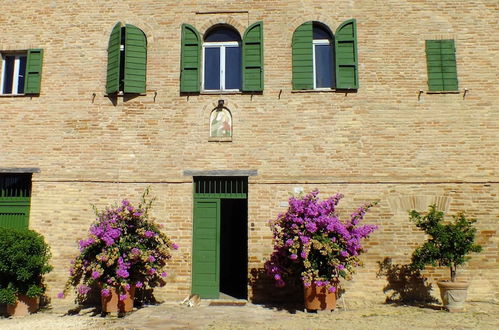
{"x":126,"y":60}
{"x":222,"y":60}
{"x":220,"y":123}
{"x":322,"y":60}
{"x":323,"y":48}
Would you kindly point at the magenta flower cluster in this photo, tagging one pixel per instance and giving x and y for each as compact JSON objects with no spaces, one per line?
{"x":312,"y":244}
{"x":123,"y":268}
{"x":124,"y":248}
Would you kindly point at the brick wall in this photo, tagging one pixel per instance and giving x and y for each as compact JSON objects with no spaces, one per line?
{"x":381,"y":143}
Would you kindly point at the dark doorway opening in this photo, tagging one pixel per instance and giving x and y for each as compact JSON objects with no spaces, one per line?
{"x":234,"y":248}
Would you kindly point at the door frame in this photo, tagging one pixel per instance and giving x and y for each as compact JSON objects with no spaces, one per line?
{"x":215,"y":189}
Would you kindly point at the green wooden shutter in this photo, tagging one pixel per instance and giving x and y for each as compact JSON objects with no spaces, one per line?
{"x":449,"y":70}
{"x":253,"y":58}
{"x":33,"y":71}
{"x":190,"y":59}
{"x":135,"y":60}
{"x":113,"y":60}
{"x":206,"y":248}
{"x":302,"y":54}
{"x":345,"y":49}
{"x":434,"y":65}
{"x":441,"y":64}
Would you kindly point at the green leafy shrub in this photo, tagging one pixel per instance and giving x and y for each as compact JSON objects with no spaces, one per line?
{"x":449,"y":243}
{"x":24,"y":259}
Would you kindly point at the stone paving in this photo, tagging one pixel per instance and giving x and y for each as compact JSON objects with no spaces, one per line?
{"x":478,"y":315}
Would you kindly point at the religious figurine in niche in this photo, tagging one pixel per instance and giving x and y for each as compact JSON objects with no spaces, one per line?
{"x":221,"y":123}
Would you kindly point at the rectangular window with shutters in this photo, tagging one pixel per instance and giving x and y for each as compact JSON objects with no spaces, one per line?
{"x":13,"y":72}
{"x":21,"y":72}
{"x":441,"y":64}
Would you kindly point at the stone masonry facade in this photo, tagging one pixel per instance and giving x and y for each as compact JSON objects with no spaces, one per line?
{"x":386,"y":142}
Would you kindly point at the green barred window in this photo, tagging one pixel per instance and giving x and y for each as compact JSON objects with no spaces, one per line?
{"x":15,"y":196}
{"x":223,"y":187}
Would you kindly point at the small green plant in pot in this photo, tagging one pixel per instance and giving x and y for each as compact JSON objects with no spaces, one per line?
{"x":24,"y":259}
{"x":448,"y":245}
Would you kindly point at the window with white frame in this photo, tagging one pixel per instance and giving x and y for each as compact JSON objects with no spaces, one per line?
{"x":322,"y":60}
{"x":323,"y":46}
{"x":222,"y":63}
{"x":13,"y":73}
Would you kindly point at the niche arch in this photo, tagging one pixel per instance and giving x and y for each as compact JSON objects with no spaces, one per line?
{"x":221,"y":124}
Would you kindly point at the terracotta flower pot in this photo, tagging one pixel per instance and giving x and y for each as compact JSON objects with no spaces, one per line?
{"x":112,"y":303}
{"x":319,"y":298}
{"x":453,"y":295}
{"x":24,"y":306}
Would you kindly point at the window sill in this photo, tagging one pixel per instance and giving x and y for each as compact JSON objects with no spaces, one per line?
{"x":443,"y":92}
{"x":332,"y":90}
{"x":313,"y":90}
{"x":16,"y":95}
{"x":220,"y":92}
{"x":220,"y":139}
{"x":121,"y":94}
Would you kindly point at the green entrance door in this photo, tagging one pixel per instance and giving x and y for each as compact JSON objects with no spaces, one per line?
{"x":206,"y":248}
{"x":207,"y":222}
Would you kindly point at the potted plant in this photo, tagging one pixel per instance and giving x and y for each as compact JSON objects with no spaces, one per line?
{"x":24,"y":259}
{"x":448,"y":245}
{"x":313,"y":245}
{"x":125,"y":250}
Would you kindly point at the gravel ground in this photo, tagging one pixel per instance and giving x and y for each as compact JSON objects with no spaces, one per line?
{"x":478,"y":315}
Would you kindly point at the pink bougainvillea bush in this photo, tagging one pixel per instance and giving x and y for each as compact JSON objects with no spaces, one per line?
{"x":312,"y":243}
{"x":124,"y":247}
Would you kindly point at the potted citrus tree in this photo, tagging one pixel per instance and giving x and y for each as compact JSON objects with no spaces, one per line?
{"x":125,"y":250}
{"x":24,"y":259}
{"x":448,"y":245}
{"x":313,"y":244}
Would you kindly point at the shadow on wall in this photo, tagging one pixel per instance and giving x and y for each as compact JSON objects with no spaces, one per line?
{"x":405,"y":285}
{"x":126,"y":97}
{"x":264,"y":292}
